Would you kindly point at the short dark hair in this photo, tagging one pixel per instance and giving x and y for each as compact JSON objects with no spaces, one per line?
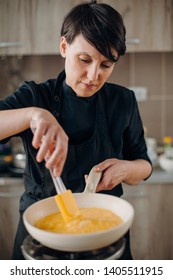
{"x":100,"y":24}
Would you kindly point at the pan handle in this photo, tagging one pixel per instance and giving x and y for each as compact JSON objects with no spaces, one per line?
{"x":92,"y":181}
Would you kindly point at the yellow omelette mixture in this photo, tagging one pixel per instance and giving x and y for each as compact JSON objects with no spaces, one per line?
{"x":90,"y":220}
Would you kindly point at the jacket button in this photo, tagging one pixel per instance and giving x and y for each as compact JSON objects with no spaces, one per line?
{"x":56,"y":98}
{"x":55,"y":113}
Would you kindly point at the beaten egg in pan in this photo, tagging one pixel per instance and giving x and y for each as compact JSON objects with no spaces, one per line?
{"x":90,"y":220}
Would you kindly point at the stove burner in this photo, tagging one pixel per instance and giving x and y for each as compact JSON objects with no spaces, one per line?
{"x":33,"y":250}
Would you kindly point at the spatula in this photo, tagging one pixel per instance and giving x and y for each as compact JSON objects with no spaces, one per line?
{"x":65,"y":200}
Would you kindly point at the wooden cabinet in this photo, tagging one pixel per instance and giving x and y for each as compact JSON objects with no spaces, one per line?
{"x":35,"y":24}
{"x":45,"y":26}
{"x":15,"y":27}
{"x":11,"y":190}
{"x":152,"y":228}
{"x":148,"y":21}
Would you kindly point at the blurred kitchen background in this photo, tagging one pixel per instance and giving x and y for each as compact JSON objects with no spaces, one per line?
{"x":29,"y":50}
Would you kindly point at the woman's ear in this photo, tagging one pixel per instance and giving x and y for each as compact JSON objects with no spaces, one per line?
{"x":63,"y":46}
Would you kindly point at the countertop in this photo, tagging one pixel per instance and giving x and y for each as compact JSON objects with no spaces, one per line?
{"x":159,"y":176}
{"x":157,"y":180}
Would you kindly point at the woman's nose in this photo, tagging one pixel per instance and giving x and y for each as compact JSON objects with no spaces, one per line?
{"x":93,"y":73}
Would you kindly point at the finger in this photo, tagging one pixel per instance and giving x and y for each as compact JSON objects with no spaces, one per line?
{"x":57,"y":169}
{"x":46,"y":147}
{"x":107,"y":182}
{"x":85,"y":177}
{"x":59,"y":150}
{"x":105,"y":164}
{"x":58,"y":166}
{"x":103,"y":182}
{"x":38,"y":133}
{"x":57,"y":158}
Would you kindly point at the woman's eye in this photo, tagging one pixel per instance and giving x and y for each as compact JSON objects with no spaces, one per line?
{"x":106,"y":66}
{"x":85,"y":60}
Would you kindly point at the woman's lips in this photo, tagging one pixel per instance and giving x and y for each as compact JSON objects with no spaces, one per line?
{"x":89,"y":85}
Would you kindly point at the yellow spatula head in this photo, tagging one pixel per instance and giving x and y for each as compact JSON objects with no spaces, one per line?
{"x":67,"y":205}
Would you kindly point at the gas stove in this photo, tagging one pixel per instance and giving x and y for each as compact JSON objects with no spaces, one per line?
{"x":33,"y":250}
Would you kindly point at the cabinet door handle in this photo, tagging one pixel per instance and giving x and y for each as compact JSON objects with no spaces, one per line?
{"x":11,"y":44}
{"x":133,"y":41}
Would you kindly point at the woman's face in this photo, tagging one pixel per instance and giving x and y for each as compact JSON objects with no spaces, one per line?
{"x":86,"y":69}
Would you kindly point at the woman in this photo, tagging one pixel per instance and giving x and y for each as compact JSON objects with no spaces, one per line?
{"x":79,"y":121}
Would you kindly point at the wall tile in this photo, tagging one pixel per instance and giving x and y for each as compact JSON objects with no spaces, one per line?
{"x":15,"y":70}
{"x":121,"y":72}
{"x":152,"y":118}
{"x":148,"y":72}
{"x":40,"y":68}
{"x":169,"y":74}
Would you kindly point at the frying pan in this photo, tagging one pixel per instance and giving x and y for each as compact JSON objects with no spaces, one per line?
{"x":79,"y":242}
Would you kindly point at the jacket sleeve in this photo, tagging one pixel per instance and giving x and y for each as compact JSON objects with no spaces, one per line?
{"x":134,"y":145}
{"x":124,"y":123}
{"x":28,"y":94}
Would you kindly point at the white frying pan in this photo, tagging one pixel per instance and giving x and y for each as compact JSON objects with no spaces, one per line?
{"x":80,"y":242}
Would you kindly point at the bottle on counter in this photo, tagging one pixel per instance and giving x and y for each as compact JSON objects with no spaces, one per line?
{"x":168,"y":146}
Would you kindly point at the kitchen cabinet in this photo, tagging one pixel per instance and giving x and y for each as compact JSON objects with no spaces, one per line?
{"x":10,"y":192}
{"x":45,"y":26}
{"x":148,"y":21}
{"x":15,"y":27}
{"x":35,"y":24}
{"x":152,"y":229}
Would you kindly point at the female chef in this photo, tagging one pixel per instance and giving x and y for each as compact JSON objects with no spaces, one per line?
{"x":79,"y":120}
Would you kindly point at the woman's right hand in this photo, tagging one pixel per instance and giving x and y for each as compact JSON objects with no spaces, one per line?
{"x":50,"y":140}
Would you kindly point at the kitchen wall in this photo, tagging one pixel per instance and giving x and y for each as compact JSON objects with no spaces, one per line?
{"x":152,"y":70}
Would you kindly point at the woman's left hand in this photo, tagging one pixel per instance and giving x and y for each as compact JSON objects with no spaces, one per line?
{"x":116,"y":171}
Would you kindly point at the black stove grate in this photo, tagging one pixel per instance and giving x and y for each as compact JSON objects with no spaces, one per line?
{"x":34,"y":250}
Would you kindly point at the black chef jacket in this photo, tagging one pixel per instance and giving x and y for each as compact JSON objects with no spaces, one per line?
{"x":105,"y":125}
